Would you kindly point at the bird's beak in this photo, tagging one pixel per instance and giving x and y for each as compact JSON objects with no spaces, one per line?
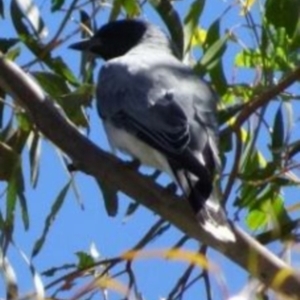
{"x":84,"y":45}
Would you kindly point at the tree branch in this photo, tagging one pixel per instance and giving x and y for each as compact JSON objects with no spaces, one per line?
{"x":266,"y":96}
{"x":246,"y":252}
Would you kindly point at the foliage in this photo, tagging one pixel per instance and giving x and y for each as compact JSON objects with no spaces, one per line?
{"x":252,"y":65}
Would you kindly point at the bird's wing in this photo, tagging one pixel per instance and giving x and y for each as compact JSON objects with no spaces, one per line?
{"x":149,"y":112}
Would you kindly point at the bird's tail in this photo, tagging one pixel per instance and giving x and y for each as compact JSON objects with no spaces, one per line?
{"x":197,"y":185}
{"x":203,"y":200}
{"x":212,"y":218}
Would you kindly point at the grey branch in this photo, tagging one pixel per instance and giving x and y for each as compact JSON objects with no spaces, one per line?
{"x":246,"y":252}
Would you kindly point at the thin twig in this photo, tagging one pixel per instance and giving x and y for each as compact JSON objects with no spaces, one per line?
{"x":206,"y":276}
{"x":150,"y":235}
{"x":181,"y":282}
{"x":235,"y":167}
{"x":266,"y":96}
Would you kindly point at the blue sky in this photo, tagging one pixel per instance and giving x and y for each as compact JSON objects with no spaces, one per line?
{"x":75,"y":229}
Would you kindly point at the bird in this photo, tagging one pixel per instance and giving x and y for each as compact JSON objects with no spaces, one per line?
{"x":157,"y":110}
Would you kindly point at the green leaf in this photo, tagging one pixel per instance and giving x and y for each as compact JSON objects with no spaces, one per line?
{"x":191,"y":22}
{"x":60,"y":67}
{"x":74,"y":102}
{"x":54,"y":63}
{"x":218,"y":78}
{"x":131,"y":7}
{"x":85,"y":260}
{"x":225,"y":114}
{"x":2,"y":106}
{"x":17,"y":19}
{"x":17,"y":139}
{"x":24,"y":122}
{"x":256,"y":219}
{"x":131,"y":209}
{"x":8,"y":160}
{"x":261,"y":173}
{"x":268,"y":209}
{"x":249,"y":58}
{"x":213,"y":34}
{"x":275,"y":57}
{"x":2,"y":222}
{"x":28,"y":10}
{"x":15,"y":191}
{"x":226,"y":142}
{"x":50,"y":218}
{"x":110,"y":197}
{"x":24,"y":208}
{"x":1,"y":9}
{"x":71,"y":101}
{"x":293,"y":149}
{"x":115,"y":10}
{"x":283,"y":14}
{"x":172,"y":20}
{"x":211,"y":61}
{"x":278,"y":134}
{"x":7,"y":43}
{"x":294,"y":45}
{"x":34,"y":157}
{"x":13,"y":54}
{"x":86,"y":20}
{"x":214,"y":52}
{"x":11,"y":200}
{"x":56,"y":5}
{"x":289,"y":114}
{"x":52,"y":83}
{"x":8,"y":130}
{"x":248,"y":195}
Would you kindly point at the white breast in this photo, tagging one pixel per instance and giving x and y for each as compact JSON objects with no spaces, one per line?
{"x":127,"y":143}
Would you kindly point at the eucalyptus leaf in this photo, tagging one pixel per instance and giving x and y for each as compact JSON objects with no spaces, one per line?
{"x":283,"y":14}
{"x":1,"y":9}
{"x":31,"y":12}
{"x":172,"y":20}
{"x":56,"y":5}
{"x":191,"y":21}
{"x":110,"y":198}
{"x":278,"y":134}
{"x":7,"y":43}
{"x":56,"y":206}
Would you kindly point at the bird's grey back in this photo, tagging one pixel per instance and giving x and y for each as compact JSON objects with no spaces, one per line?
{"x":146,"y":74}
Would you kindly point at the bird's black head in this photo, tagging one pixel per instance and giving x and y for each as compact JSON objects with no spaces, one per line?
{"x":114,"y":39}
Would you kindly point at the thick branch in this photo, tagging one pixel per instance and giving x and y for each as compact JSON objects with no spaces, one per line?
{"x":246,"y":252}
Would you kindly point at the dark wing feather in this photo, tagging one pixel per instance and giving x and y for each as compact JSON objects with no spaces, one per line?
{"x":148,"y":112}
{"x":163,"y":126}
